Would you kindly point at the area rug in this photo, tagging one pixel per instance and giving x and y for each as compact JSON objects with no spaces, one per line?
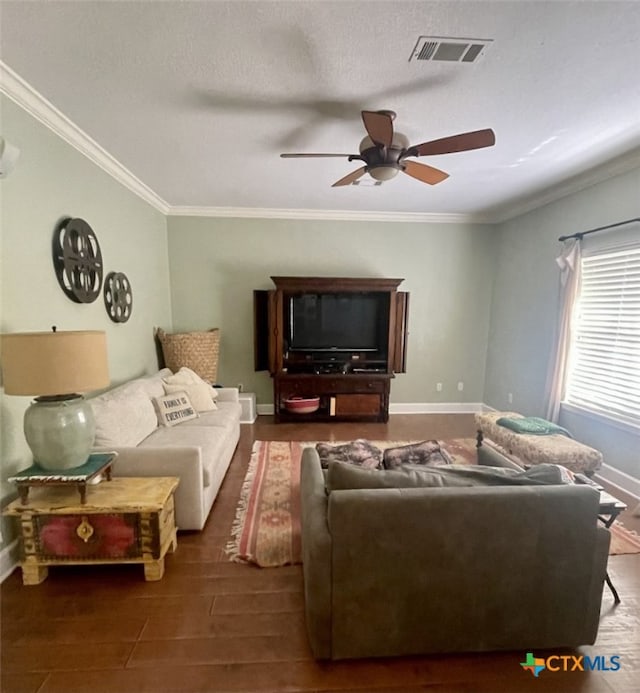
{"x":266,"y":529}
{"x":623,"y":540}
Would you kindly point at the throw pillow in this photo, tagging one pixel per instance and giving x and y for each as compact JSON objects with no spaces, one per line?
{"x":174,"y":409}
{"x":359,"y":452}
{"x":201,"y":394}
{"x":428,"y":452}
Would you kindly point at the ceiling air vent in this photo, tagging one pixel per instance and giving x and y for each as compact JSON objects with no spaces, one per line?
{"x":442,"y":48}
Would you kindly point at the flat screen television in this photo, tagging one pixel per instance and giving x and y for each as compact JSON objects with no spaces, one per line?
{"x":338,"y":321}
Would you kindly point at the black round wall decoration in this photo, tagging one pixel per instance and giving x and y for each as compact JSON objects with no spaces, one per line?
{"x":77,"y":260}
{"x":118,"y":299}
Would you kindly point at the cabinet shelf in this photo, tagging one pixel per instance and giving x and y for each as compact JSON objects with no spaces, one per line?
{"x":353,"y":397}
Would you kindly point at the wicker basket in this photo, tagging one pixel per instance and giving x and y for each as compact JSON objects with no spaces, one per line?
{"x":196,"y":350}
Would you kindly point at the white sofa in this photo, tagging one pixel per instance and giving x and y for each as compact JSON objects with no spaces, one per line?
{"x":197,"y":451}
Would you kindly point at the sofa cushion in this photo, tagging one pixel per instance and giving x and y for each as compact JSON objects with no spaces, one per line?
{"x":174,"y":408}
{"x":359,"y":452}
{"x":427,"y":452}
{"x":210,"y":440}
{"x":153,"y":384}
{"x":227,"y":415}
{"x":341,"y":476}
{"x":124,"y":416}
{"x":201,"y":394}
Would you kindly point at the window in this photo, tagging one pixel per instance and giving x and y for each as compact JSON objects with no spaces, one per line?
{"x":604,"y":363}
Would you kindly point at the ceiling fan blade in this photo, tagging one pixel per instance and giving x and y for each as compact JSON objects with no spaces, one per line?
{"x":424,"y":173}
{"x":379,"y":127}
{"x":354,"y":175}
{"x":316,"y":156}
{"x":456,"y":143}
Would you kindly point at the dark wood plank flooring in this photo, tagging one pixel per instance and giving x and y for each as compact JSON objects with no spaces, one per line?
{"x":211,"y":625}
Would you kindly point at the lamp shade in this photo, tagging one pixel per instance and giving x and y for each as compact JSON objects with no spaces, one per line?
{"x":54,"y":363}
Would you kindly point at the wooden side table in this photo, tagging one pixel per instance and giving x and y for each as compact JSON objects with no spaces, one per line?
{"x":125,"y":520}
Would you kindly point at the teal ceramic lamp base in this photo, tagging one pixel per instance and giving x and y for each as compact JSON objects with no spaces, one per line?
{"x":60,"y":431}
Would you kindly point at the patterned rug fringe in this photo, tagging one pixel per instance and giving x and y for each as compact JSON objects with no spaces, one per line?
{"x":232,"y":548}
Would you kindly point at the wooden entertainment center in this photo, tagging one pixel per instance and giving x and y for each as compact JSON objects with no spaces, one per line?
{"x":339,"y":339}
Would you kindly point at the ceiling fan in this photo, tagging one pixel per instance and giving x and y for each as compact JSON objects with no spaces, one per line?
{"x":385,"y":152}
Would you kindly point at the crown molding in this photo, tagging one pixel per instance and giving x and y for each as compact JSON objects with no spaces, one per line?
{"x":614,"y":167}
{"x":45,"y":112}
{"x":325,"y":215}
{"x":19,"y":91}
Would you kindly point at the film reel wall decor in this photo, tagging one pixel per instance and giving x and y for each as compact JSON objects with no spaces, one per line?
{"x":77,"y":260}
{"x":118,"y":297}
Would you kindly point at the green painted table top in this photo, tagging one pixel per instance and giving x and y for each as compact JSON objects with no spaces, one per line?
{"x":96,"y":463}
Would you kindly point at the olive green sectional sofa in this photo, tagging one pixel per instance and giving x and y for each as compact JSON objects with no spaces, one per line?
{"x":399,"y":571}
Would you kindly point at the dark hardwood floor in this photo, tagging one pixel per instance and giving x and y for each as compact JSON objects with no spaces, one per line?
{"x":211,"y":625}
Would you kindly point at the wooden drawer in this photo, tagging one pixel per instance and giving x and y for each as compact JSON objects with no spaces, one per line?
{"x":368,"y":386}
{"x":357,"y":405}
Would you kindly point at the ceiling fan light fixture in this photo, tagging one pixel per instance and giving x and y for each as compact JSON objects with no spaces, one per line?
{"x":383,"y":173}
{"x":399,"y":142}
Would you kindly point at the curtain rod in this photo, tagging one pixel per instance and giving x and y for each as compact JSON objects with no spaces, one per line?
{"x":580,"y":234}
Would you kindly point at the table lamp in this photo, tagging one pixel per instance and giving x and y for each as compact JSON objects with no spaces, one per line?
{"x":56,"y":366}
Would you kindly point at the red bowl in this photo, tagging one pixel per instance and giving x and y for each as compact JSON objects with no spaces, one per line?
{"x":302,"y":405}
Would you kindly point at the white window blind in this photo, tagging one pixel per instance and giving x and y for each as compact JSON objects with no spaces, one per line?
{"x":604,"y":366}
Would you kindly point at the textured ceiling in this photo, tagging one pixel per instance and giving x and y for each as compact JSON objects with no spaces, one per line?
{"x":198,"y":99}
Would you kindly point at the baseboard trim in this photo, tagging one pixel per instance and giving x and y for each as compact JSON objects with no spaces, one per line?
{"x":8,"y":559}
{"x":620,"y":479}
{"x":435,"y":408}
{"x":411,"y":408}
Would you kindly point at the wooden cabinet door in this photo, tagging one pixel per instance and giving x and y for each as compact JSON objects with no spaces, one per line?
{"x":265,"y":331}
{"x":354,"y":405}
{"x":399,"y":332}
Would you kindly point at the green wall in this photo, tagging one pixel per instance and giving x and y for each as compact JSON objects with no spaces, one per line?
{"x":52,"y":180}
{"x":483,"y":298}
{"x":217,"y":263}
{"x":524,"y":309}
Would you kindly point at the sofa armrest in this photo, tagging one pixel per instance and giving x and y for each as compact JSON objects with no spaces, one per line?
{"x":228,"y":394}
{"x":316,"y":554}
{"x":599,"y":572}
{"x":183,"y":462}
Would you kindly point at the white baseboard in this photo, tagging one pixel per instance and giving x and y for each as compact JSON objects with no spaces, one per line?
{"x":435,"y":408}
{"x":412,"y":408}
{"x":620,"y":479}
{"x":8,"y":559}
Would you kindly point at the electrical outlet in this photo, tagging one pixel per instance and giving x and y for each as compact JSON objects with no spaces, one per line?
{"x":460,"y":386}
{"x":438,"y":387}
